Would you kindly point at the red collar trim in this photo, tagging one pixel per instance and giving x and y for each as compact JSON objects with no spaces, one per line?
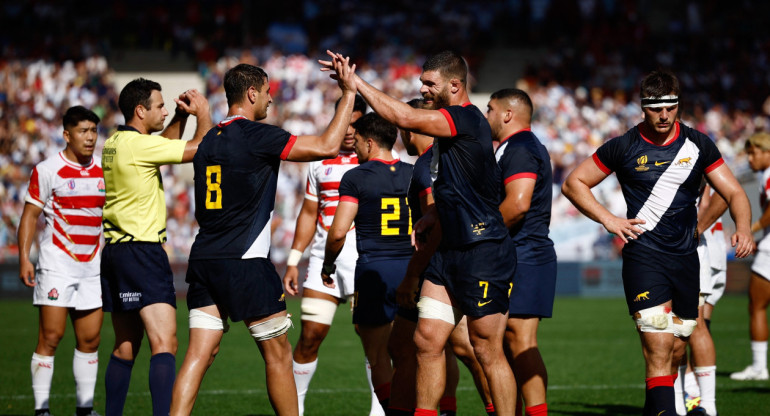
{"x":676,"y":136}
{"x":426,"y":150}
{"x":387,"y":162}
{"x":514,"y":133}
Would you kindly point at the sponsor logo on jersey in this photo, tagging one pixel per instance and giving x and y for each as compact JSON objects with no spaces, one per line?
{"x":658,"y":163}
{"x":53,"y":294}
{"x":484,"y":303}
{"x":129,"y":296}
{"x":479,"y":228}
{"x":84,"y":172}
{"x":642,"y":162}
{"x":642,"y":296}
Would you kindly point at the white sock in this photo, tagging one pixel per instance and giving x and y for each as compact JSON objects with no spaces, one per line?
{"x":42,"y":373}
{"x":85,"y":367}
{"x":303,"y":373}
{"x":707,"y":380}
{"x":376,"y":409}
{"x":759,"y":354}
{"x":681,"y":409}
{"x":691,"y":385}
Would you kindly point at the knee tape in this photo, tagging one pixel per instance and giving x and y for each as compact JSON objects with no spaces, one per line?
{"x":318,"y":310}
{"x":655,"y":319}
{"x":271,"y":328}
{"x":203,"y":320}
{"x":684,"y":329}
{"x":430,"y":308}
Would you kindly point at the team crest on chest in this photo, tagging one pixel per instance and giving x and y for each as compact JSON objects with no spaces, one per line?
{"x":71,"y":184}
{"x":642,"y":164}
{"x":100,"y":186}
{"x":685,"y":162}
{"x":328,"y":171}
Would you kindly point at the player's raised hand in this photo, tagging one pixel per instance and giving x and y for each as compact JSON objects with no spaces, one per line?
{"x":744,"y":244}
{"x":624,"y":228}
{"x":344,"y":73}
{"x":192,"y":102}
{"x":27,"y":273}
{"x":291,"y":280}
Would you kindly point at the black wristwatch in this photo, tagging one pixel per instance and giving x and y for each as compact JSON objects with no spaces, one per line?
{"x":328,"y":269}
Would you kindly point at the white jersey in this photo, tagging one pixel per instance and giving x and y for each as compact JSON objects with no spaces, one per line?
{"x":72,"y":197}
{"x":323,"y":183}
{"x":714,"y":238}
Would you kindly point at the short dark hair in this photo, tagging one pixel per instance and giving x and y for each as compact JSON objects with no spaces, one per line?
{"x":418,"y":103}
{"x":358,"y":105}
{"x":659,"y":83}
{"x":449,"y":64}
{"x":74,"y":115}
{"x":136,"y":92}
{"x":239,"y":78}
{"x":514,"y":94}
{"x":372,"y":126}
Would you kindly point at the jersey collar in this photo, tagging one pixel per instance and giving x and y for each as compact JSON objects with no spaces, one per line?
{"x":127,"y":128}
{"x":514,"y":133}
{"x":387,"y":162}
{"x":230,"y":119}
{"x":676,"y":136}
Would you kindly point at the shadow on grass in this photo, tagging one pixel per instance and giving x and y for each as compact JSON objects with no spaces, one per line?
{"x":594,"y":409}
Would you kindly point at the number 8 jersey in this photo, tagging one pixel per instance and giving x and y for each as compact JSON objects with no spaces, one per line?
{"x":383,"y":221}
{"x":236,"y":174}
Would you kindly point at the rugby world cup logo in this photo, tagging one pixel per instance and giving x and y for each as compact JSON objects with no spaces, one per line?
{"x":642,"y":162}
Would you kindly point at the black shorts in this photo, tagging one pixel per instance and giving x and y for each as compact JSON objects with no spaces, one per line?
{"x":651,"y":278}
{"x":534,"y":287}
{"x":241,"y":288}
{"x":374,"y":300}
{"x":134,"y":275}
{"x":411,"y":314}
{"x":478,"y":277}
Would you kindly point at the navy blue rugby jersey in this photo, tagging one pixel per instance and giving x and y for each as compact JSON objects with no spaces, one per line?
{"x":420,"y":184}
{"x":466,"y":180}
{"x":523,"y":156}
{"x":383,"y":222}
{"x":660,"y":183}
{"x":236,"y":172}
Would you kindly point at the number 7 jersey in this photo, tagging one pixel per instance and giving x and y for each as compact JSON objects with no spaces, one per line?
{"x":236,"y":174}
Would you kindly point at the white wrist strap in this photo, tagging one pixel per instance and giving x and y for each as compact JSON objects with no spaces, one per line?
{"x":294,"y":256}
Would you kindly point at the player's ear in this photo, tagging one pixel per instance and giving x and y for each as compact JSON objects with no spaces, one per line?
{"x":454,"y":85}
{"x":139,"y":111}
{"x":66,"y":135}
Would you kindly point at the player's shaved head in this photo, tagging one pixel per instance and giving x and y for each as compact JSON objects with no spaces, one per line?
{"x":372,"y":126}
{"x":515,"y":99}
{"x":449,"y":64}
{"x":239,"y":78}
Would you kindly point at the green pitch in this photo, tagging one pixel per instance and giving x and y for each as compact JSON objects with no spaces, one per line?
{"x":592,"y":352}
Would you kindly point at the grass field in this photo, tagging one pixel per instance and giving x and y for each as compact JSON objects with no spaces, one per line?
{"x":591,"y":350}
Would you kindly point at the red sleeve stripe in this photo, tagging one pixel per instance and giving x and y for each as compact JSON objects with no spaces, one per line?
{"x":287,"y":148}
{"x":715,"y":165}
{"x":522,"y":175}
{"x":426,"y":191}
{"x":347,"y":198}
{"x":452,"y":127}
{"x":34,"y":187}
{"x":600,"y":165}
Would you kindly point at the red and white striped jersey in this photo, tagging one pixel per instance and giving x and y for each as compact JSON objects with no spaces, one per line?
{"x":71,"y":196}
{"x":323,"y":182}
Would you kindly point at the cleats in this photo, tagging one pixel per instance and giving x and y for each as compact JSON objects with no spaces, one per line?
{"x":750,"y":373}
{"x":691,"y":402}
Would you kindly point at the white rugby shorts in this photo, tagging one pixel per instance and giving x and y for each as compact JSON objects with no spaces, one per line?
{"x":344,"y":277}
{"x":54,"y":289}
{"x":761,"y":264}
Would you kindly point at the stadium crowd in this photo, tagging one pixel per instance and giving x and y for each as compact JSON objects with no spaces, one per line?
{"x":583,"y":93}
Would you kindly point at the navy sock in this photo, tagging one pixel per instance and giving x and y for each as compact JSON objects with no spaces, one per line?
{"x":659,"y":397}
{"x":162,"y":376}
{"x":116,"y":381}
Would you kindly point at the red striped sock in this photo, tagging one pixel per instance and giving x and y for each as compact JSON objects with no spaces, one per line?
{"x":425,"y":412}
{"x":662,"y":381}
{"x":539,"y":410}
{"x":490,"y":408}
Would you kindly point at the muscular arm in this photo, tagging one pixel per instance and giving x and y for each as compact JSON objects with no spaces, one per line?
{"x":303,"y":235}
{"x":577,"y":188}
{"x":518,"y":197}
{"x":327,"y":145}
{"x":343,"y":219}
{"x":710,"y":210}
{"x":26,"y":235}
{"x":740,"y":210}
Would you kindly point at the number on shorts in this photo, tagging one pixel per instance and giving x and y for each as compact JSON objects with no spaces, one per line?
{"x":213,"y":189}
{"x":485,"y":285}
{"x":394,"y":215}
{"x":510,"y":288}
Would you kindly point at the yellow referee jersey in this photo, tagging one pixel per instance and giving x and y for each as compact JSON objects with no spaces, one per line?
{"x":135,"y":206}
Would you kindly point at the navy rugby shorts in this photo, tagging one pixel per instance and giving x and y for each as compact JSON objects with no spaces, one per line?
{"x":651,"y":278}
{"x":242,"y":288}
{"x":534,"y":287}
{"x":134,"y":275}
{"x":374,"y":299}
{"x":478,"y":277}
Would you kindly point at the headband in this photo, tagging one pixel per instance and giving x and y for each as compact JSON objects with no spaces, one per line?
{"x":657,"y":102}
